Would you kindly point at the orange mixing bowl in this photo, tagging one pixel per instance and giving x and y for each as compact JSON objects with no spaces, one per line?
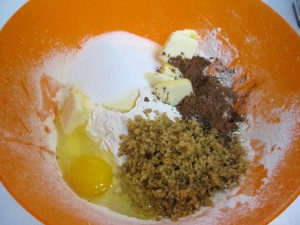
{"x":269,"y":53}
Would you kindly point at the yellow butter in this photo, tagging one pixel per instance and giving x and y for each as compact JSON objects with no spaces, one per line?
{"x":182,"y":42}
{"x":124,"y":104}
{"x":172,"y":92}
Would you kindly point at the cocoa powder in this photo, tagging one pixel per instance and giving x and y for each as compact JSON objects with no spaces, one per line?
{"x":211,"y":104}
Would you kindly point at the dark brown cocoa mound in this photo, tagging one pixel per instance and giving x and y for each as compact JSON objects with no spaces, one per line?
{"x":211,"y":104}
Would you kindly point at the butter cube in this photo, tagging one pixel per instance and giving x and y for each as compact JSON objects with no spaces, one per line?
{"x":182,"y":42}
{"x":155,"y":78}
{"x":75,"y":110}
{"x":124,"y":104}
{"x":172,"y":92}
{"x":170,"y":70}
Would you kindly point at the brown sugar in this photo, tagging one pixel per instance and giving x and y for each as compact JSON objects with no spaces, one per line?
{"x":173,"y":167}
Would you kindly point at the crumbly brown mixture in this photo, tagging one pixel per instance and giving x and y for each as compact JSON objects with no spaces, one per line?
{"x":147,"y":111}
{"x":173,"y":168}
{"x":189,"y":67}
{"x":211,"y":104}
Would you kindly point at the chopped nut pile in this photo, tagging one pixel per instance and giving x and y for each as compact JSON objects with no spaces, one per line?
{"x":173,"y":167}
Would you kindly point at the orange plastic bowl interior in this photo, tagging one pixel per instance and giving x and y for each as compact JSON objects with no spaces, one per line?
{"x":27,"y":166}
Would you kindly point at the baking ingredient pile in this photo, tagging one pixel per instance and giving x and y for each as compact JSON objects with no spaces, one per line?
{"x":172,"y":165}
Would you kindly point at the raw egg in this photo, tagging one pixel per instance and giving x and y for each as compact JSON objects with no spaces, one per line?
{"x":86,"y":168}
{"x":90,"y":176}
{"x":92,"y":172}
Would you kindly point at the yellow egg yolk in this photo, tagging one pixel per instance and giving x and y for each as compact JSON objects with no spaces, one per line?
{"x":90,"y":176}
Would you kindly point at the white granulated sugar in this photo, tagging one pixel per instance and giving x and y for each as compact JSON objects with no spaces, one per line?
{"x":105,"y":126}
{"x":111,"y":65}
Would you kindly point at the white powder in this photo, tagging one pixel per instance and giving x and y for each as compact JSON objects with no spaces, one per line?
{"x":105,"y":126}
{"x":276,"y":137}
{"x":57,"y":65}
{"x":213,"y":44}
{"x":111,"y":65}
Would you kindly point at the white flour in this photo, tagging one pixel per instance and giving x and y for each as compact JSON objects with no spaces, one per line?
{"x":105,"y":126}
{"x":275,"y":137}
{"x":214,"y":45}
{"x":58,"y":65}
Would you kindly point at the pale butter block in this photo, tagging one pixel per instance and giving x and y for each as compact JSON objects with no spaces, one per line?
{"x":155,"y":78}
{"x":172,"y":92}
{"x":170,"y":70}
{"x":75,"y":110}
{"x":182,"y":42}
{"x":125,"y":104}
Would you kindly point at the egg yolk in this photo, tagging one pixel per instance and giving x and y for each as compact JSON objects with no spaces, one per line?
{"x":90,"y":176}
